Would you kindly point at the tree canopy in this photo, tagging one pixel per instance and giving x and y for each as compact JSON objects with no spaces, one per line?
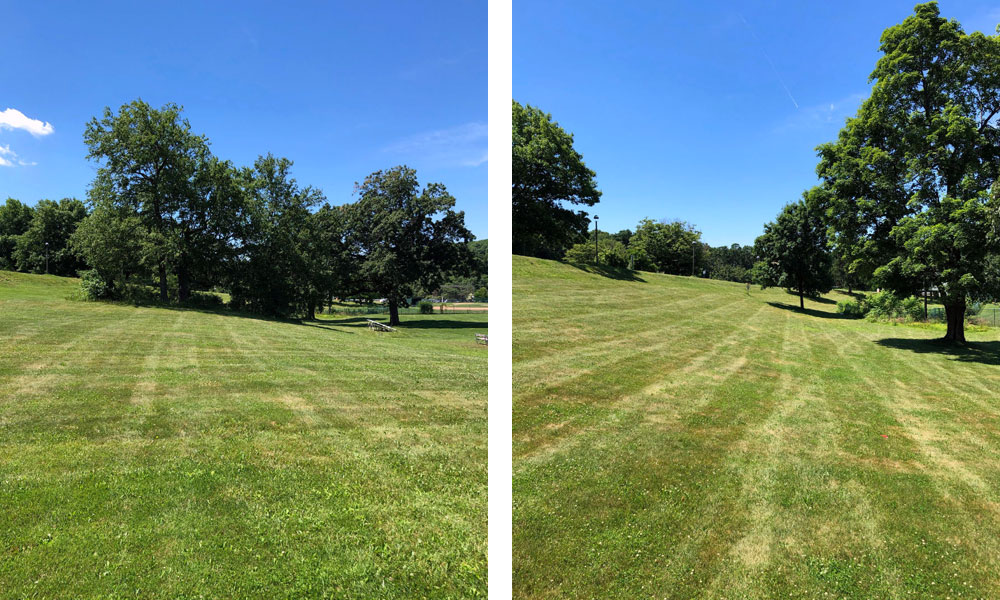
{"x":910,"y":182}
{"x":162,"y":210}
{"x":149,"y":161}
{"x":792,"y":253}
{"x":405,"y":237}
{"x":547,"y":173}
{"x":665,"y":246}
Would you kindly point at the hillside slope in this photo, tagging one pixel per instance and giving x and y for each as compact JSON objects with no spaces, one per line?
{"x":681,"y":438}
{"x":167,"y":453}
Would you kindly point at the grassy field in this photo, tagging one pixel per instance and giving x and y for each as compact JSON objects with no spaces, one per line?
{"x":163,"y":453}
{"x":681,"y":438}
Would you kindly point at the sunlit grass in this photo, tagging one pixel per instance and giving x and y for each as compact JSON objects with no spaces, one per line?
{"x":163,"y":453}
{"x":683,"y":438}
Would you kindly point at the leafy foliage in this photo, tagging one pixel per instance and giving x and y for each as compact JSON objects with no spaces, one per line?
{"x":44,"y":246}
{"x":405,"y":237}
{"x":609,"y":252}
{"x":793,"y":252}
{"x":908,"y":182}
{"x":547,"y":173}
{"x":15,"y":219}
{"x":665,"y":247}
{"x":149,"y":164}
{"x":729,"y":263}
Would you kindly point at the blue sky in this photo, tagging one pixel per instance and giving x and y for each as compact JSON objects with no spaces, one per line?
{"x":706,"y":111}
{"x":342,"y":89}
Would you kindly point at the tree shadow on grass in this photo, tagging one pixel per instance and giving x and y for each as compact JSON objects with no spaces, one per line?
{"x":807,"y":311}
{"x":362,"y":322}
{"x":618,"y":273}
{"x":442,"y":324}
{"x":987,"y":353}
{"x":817,"y":299}
{"x":855,"y":295}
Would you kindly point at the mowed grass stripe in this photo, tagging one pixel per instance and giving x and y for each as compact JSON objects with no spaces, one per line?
{"x":179,"y":454}
{"x":761,"y":472}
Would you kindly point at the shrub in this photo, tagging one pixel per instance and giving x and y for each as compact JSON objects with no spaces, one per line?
{"x":973,"y":308}
{"x":426,"y":308}
{"x":204,"y":300}
{"x":883,"y":305}
{"x":851,"y":308}
{"x":912,"y":308}
{"x":480,"y":295}
{"x":138,"y":294}
{"x":93,"y":286}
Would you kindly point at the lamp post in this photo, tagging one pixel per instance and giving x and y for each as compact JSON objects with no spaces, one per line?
{"x":46,"y":258}
{"x":597,"y":258}
{"x":693,"y":245}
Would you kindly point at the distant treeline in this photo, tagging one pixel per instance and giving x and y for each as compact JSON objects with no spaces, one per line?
{"x":165,"y":218}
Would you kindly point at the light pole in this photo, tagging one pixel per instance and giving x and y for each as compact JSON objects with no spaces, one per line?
{"x":693,"y":245}
{"x":597,"y":258}
{"x":46,"y":258}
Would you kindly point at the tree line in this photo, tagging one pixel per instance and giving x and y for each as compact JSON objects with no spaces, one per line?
{"x":164,"y":213}
{"x":908,"y":199}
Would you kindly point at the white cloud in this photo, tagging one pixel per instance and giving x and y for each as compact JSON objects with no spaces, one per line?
{"x":821,"y":116}
{"x":463,"y":145}
{"x":15,"y":119}
{"x":12,"y":157}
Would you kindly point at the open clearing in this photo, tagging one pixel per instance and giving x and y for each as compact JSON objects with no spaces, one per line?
{"x":679,"y":438}
{"x":166,"y":453}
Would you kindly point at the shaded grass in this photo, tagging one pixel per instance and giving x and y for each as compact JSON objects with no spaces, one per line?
{"x":680,"y":438}
{"x":150,"y":452}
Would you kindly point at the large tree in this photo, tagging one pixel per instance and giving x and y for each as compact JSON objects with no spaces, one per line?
{"x":149,"y":160}
{"x":405,"y":237}
{"x":793,"y":252}
{"x":910,"y":176}
{"x":548,"y":174}
{"x":328,"y":263}
{"x":271,"y":274}
{"x":110,"y":240}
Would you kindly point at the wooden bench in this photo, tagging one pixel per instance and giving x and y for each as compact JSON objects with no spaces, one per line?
{"x":379,"y":327}
{"x":482,"y":338}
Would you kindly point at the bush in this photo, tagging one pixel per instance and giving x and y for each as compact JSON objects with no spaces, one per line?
{"x":851,"y":308}
{"x":426,"y":308}
{"x":883,"y":305}
{"x":204,"y":300}
{"x":138,"y":294}
{"x":912,"y":308}
{"x":93,"y":286}
{"x":973,"y":308}
{"x":480,"y":295}
{"x":886,"y":306}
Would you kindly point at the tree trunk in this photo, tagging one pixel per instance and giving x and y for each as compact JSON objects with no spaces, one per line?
{"x":162,"y":268}
{"x":183,"y":281}
{"x":393,"y":312}
{"x":850,"y":291}
{"x":312,"y":310}
{"x":955,"y":314}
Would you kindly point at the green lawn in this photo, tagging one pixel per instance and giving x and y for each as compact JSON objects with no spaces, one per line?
{"x":164,"y":453}
{"x":680,"y":438}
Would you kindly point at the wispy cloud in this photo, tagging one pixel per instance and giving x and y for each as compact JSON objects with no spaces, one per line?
{"x":822,"y":116}
{"x":463,"y":145}
{"x":8,"y":158}
{"x":15,"y":119}
{"x":767,"y":56}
